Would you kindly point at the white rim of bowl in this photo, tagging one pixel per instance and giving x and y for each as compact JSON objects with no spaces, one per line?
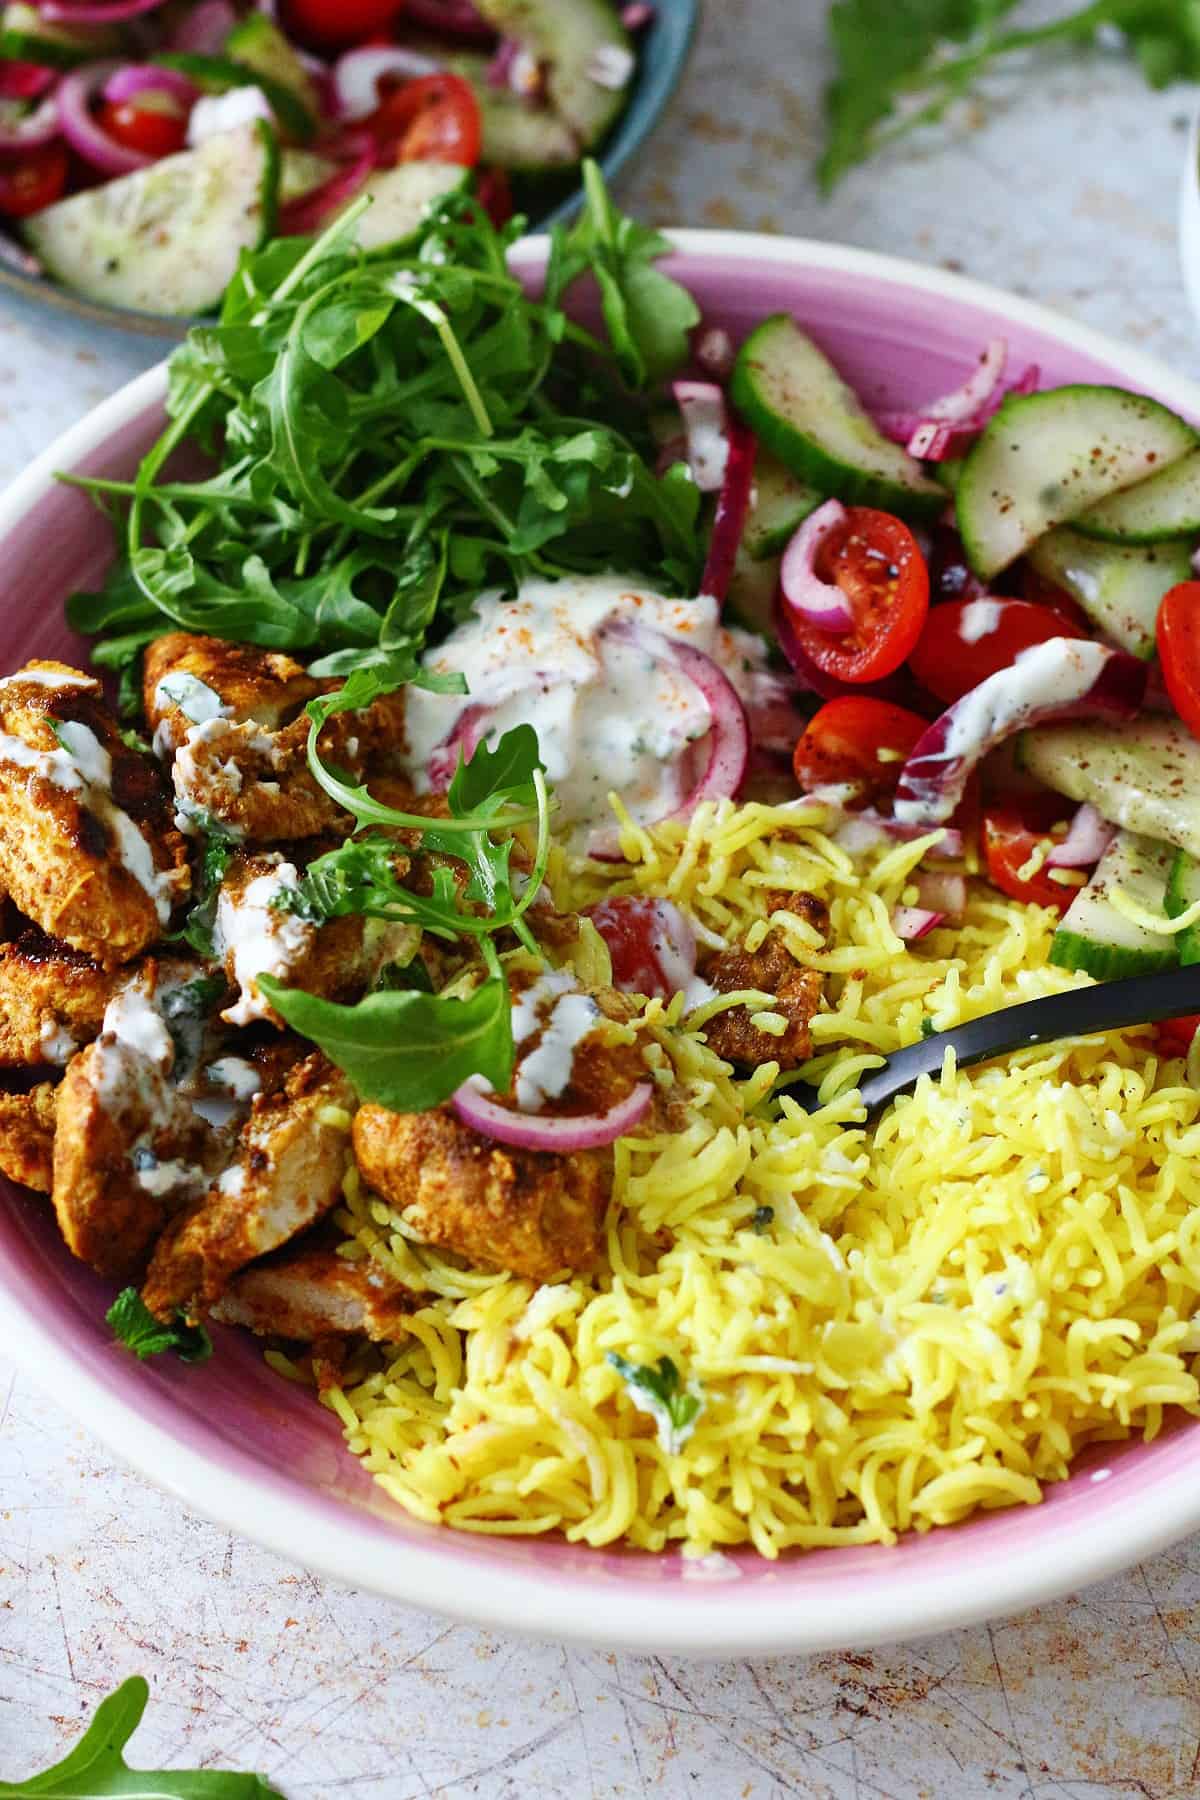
{"x":638,"y":1619}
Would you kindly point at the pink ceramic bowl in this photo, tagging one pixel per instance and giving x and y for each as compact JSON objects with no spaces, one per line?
{"x":263,"y":1458}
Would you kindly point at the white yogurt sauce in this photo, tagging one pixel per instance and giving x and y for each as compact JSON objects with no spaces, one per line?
{"x":47,"y":678}
{"x":609,"y":716}
{"x":554,"y":1006}
{"x":260,"y":939}
{"x":55,"y":1042}
{"x":978,"y":620}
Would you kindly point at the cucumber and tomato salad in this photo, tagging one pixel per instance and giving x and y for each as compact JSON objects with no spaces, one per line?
{"x":1062,"y":596}
{"x":108,"y":170}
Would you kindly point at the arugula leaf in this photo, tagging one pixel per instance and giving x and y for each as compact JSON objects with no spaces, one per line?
{"x":96,"y":1767}
{"x":646,"y":313}
{"x":893,"y":73}
{"x":658,"y":1390}
{"x":136,"y":1327}
{"x":406,"y":1049}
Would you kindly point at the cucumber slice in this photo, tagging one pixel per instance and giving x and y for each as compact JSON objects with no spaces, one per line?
{"x":571,"y":37}
{"x":1119,"y":586}
{"x":216,"y":74}
{"x":1095,"y":937}
{"x":1144,"y":775}
{"x":1166,"y":505}
{"x":1045,"y":458}
{"x":300,"y":171}
{"x":257,"y":43}
{"x":1183,"y":890}
{"x":167,"y":238}
{"x":750,"y":601}
{"x":802,"y":410}
{"x":779,"y":505}
{"x":27,"y":37}
{"x":401,"y":199}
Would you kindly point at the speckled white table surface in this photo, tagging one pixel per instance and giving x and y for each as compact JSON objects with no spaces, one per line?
{"x":1062,"y":187}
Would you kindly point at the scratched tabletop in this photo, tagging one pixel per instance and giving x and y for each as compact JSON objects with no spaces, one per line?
{"x":1062,"y":187}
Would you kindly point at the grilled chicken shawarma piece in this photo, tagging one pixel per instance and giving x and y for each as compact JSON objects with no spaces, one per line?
{"x":773,"y":970}
{"x":232,"y":717}
{"x":310,"y":1293}
{"x":254,"y":937}
{"x":87,"y":848}
{"x":27,"y":1136}
{"x":286,"y":1173}
{"x":130,"y":1149}
{"x":52,"y":1000}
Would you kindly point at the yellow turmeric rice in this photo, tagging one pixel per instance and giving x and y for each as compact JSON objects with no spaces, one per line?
{"x":890,"y":1327}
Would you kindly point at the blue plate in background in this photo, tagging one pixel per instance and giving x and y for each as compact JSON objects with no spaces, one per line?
{"x":662,"y":52}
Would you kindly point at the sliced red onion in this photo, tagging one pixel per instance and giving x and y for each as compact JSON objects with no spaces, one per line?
{"x":24,"y":80}
{"x":203,"y":30}
{"x":706,"y":428}
{"x":651,"y":943}
{"x":30,"y":129}
{"x":713,"y":350}
{"x":75,"y":92}
{"x":913,"y":922}
{"x":771,"y":712}
{"x":469,"y":727}
{"x":673,"y":451}
{"x":1085,"y":843}
{"x":94,"y":12}
{"x":942,"y":893}
{"x":936,"y":440}
{"x":542,"y":1131}
{"x":458,"y":18}
{"x":357,"y":74}
{"x":869,"y":830}
{"x":142,"y":78}
{"x":637,"y":15}
{"x":1064,"y":678}
{"x":1196,"y":560}
{"x":733,"y":503}
{"x":307,"y":214}
{"x":820,"y":602}
{"x":933,"y":433}
{"x":965,"y":401}
{"x":517,"y":70}
{"x":730,"y":734}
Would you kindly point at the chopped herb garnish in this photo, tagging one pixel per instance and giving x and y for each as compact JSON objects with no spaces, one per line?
{"x":96,"y":1768}
{"x":658,"y":1391}
{"x":217,"y":849}
{"x":134,"y":1325}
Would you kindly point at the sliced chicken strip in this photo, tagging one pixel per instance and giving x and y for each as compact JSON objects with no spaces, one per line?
{"x":27,"y":1136}
{"x":286,"y":1173}
{"x":52,"y":1000}
{"x":87,"y":850}
{"x":130,"y":1149}
{"x":308,"y":1294}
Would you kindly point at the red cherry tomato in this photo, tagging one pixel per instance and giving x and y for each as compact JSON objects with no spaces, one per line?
{"x":857,"y":740}
{"x":1173,"y":1037}
{"x":1011,"y":832}
{"x":154,"y":123}
{"x":494,"y":193}
{"x":649,"y":942}
{"x":34,"y":179}
{"x":1179,"y":650}
{"x":968,"y":640}
{"x":339,"y":24}
{"x":432,"y":119}
{"x":874,"y":559}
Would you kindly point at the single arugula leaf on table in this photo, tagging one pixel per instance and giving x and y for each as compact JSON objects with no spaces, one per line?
{"x":896,"y":70}
{"x":96,"y":1767}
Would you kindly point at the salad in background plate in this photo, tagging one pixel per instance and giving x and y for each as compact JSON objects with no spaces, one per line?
{"x":144,"y":144}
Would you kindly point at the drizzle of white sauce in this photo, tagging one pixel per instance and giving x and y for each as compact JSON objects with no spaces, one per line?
{"x":259,"y":939}
{"x":55,"y":1042}
{"x":978,"y":620}
{"x":608,"y":713}
{"x":546,"y":1071}
{"x":234,"y":1075}
{"x":47,"y":678}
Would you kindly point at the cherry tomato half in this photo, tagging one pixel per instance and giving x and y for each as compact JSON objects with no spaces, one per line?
{"x":338,"y":24}
{"x":154,"y":124}
{"x":647,"y":943}
{"x":1010,"y":834}
{"x":34,"y":179}
{"x":968,"y":640}
{"x":1173,"y":1037}
{"x":857,"y":740}
{"x":432,"y":119}
{"x":874,"y":559}
{"x":1179,"y":650}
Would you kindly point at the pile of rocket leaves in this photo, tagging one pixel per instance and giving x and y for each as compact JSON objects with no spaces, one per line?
{"x":383,"y":438}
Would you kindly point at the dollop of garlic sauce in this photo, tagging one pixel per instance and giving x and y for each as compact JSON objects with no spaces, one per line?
{"x":610,"y":716}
